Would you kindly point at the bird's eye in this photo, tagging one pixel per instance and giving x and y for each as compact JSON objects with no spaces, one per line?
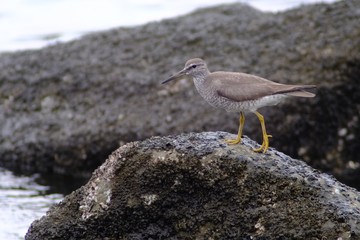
{"x":193,"y":66}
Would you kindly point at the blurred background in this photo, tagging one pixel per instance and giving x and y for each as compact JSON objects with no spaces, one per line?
{"x":32,"y":24}
{"x":27,"y":24}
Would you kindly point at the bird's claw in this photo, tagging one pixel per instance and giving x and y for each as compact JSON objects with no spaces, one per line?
{"x":233,"y":141}
{"x":265,"y":145}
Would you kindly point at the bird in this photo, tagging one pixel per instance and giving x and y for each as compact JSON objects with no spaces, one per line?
{"x":239,"y":92}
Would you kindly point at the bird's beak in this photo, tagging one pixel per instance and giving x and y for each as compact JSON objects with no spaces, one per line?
{"x":176,"y":76}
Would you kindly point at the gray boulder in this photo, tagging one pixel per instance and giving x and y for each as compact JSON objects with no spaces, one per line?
{"x":194,"y":186}
{"x":66,"y":107}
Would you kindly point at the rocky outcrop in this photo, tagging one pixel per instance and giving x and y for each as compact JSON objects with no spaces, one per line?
{"x":66,"y":107}
{"x":194,"y":186}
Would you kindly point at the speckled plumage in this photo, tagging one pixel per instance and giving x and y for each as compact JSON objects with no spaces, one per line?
{"x":211,"y":94}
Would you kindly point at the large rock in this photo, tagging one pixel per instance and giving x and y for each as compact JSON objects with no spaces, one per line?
{"x":194,"y":186}
{"x":66,"y":107}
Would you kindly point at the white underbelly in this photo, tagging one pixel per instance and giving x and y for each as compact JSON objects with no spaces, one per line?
{"x":246,"y":106}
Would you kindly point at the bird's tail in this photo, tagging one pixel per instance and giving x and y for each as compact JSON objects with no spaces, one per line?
{"x":301,"y":91}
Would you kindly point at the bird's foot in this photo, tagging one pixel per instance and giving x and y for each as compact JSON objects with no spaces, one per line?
{"x":233,"y":141}
{"x":265,"y":145}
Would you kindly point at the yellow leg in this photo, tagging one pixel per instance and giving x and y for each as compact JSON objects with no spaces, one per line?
{"x":265,"y":144}
{"x":241,"y":126}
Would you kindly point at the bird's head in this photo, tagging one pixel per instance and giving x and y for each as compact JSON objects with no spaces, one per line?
{"x":194,"y":68}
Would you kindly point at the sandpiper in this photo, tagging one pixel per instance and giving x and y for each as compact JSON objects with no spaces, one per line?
{"x":239,"y":92}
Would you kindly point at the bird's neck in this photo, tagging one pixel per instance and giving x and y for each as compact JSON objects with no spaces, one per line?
{"x":200,"y":77}
{"x":200,"y":81}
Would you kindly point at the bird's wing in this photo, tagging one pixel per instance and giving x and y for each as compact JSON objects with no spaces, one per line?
{"x":241,"y":86}
{"x":244,"y":87}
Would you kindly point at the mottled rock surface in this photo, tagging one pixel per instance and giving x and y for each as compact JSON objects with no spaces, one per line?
{"x":194,"y":186}
{"x":66,"y":107}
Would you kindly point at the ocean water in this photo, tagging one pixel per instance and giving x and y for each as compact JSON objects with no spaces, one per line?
{"x":22,"y":200}
{"x":29,"y":24}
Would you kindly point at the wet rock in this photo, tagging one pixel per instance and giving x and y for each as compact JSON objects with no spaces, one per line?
{"x":194,"y":186}
{"x":66,"y":107}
